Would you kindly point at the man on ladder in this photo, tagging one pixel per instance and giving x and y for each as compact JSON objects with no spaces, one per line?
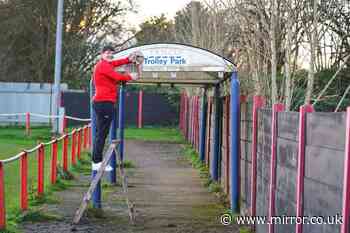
{"x":106,"y":81}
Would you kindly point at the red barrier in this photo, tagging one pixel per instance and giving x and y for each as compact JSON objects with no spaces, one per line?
{"x":73,"y":152}
{"x":197,"y":110}
{"x":89,"y":137}
{"x":258,"y":102}
{"x":79,"y":145}
{"x":187,"y":127}
{"x":185,"y":116}
{"x":65,"y":153}
{"x":190,"y":127}
{"x":208,"y":149}
{"x":41,"y":157}
{"x":23,"y":157}
{"x":275,"y":109}
{"x":85,"y":138}
{"x":53,"y":171}
{"x":346,"y":188}
{"x":2,"y":198}
{"x":301,"y":163}
{"x":24,"y":180}
{"x":195,"y":122}
{"x":140,"y":107}
{"x":65,"y":123}
{"x":196,"y":125}
{"x":198,"y":121}
{"x":181,"y":113}
{"x":28,"y":124}
{"x":192,"y":120}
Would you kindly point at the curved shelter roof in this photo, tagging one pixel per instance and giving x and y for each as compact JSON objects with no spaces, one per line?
{"x":179,"y":64}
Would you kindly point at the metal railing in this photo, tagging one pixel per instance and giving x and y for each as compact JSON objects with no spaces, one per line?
{"x":80,"y":139}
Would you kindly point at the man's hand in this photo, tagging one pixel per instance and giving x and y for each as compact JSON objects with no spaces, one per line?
{"x":134,"y":76}
{"x":136,"y":57}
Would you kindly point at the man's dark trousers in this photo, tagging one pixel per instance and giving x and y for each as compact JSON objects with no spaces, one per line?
{"x":104,"y":112}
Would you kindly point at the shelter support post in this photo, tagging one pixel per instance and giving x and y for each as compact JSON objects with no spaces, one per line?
{"x":235,"y":134}
{"x":203,"y":127}
{"x":121,"y":120}
{"x":96,"y":196}
{"x":216,"y":141}
{"x":113,"y":160}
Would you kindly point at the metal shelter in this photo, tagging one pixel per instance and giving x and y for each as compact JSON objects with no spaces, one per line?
{"x":184,"y":65}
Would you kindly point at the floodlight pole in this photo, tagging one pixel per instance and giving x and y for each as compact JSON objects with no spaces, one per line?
{"x":58,"y":66}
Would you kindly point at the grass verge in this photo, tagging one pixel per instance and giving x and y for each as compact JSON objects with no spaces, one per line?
{"x":214,"y":187}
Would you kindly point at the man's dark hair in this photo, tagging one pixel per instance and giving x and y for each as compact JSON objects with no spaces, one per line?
{"x":108,"y":48}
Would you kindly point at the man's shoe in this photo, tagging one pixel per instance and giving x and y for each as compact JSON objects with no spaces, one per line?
{"x":96,"y":167}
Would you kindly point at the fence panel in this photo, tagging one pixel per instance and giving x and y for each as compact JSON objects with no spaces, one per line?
{"x":245,"y":155}
{"x":324,"y":168}
{"x":263,"y":166}
{"x":286,"y":170}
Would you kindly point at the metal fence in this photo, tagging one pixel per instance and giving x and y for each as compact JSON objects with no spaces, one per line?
{"x":26,"y":97}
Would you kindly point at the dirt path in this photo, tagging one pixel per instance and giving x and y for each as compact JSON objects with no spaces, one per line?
{"x":167,"y":192}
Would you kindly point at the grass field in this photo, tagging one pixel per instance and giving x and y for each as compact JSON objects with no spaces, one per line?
{"x":13,"y":140}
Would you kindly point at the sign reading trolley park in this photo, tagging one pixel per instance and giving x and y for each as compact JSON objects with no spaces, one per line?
{"x":178,"y":57}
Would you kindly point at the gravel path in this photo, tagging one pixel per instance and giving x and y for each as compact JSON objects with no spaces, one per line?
{"x":168,"y":194}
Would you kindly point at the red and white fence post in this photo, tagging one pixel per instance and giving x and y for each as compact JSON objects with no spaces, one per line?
{"x":140,"y":110}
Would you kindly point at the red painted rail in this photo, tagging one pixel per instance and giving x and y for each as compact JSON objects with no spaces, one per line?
{"x":39,"y":150}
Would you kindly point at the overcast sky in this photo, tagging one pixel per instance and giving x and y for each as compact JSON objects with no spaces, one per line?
{"x":148,"y":8}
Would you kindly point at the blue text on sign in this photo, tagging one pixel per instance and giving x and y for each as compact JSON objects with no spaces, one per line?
{"x":165,"y":60}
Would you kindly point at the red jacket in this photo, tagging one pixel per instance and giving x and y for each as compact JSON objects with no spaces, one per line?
{"x":106,"y":79}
